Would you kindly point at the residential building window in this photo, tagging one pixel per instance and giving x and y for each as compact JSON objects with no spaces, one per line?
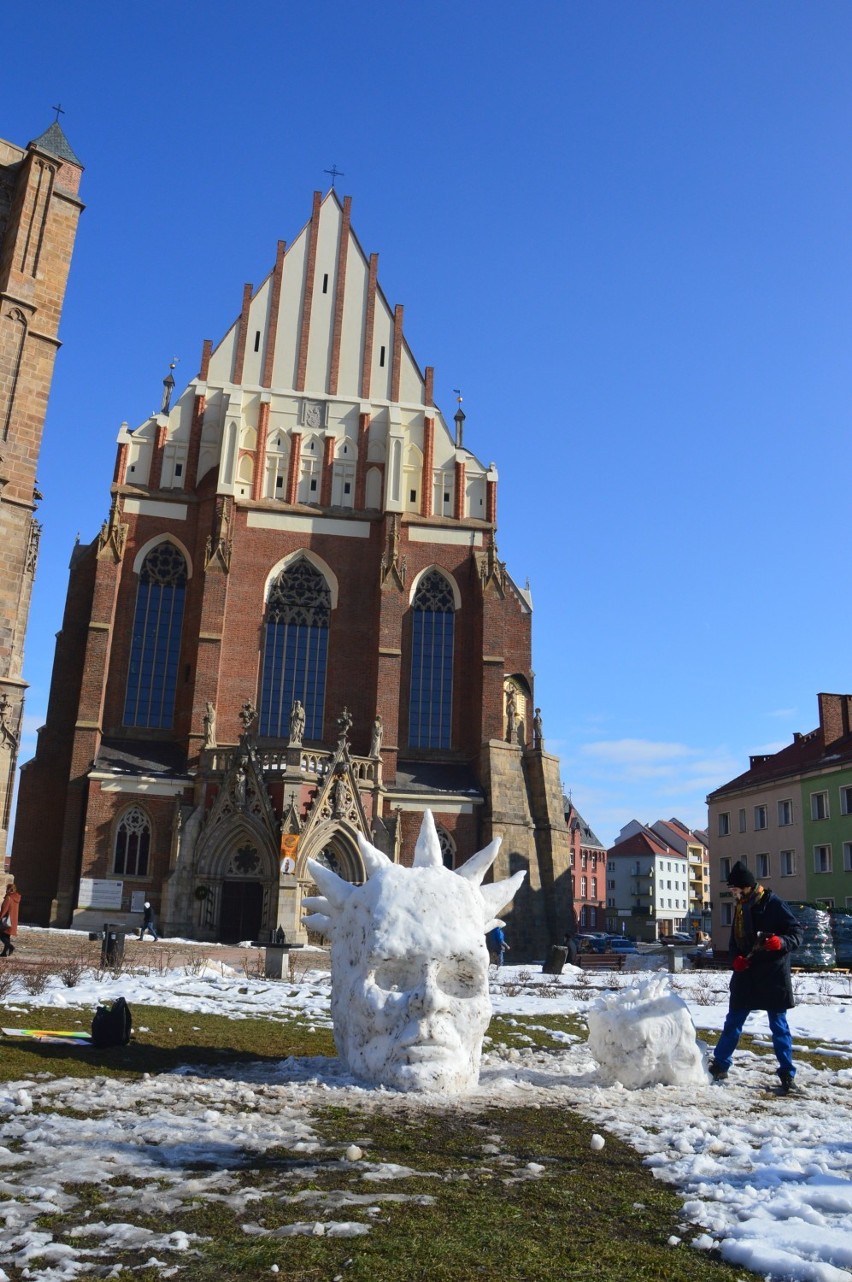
{"x":847,"y":856}
{"x":295,"y":650}
{"x":583,"y":887}
{"x":827,"y":902}
{"x":742,"y":820}
{"x":132,"y":844}
{"x":610,"y":885}
{"x":724,"y":823}
{"x":585,"y":859}
{"x":759,"y":818}
{"x":431,"y":692}
{"x":724,"y":870}
{"x":785,"y":813}
{"x":762,"y":867}
{"x":594,"y":888}
{"x":819,"y":805}
{"x":846,"y":801}
{"x":155,"y":639}
{"x":822,"y":858}
{"x":610,"y":903}
{"x":727,"y":914}
{"x":787,"y":859}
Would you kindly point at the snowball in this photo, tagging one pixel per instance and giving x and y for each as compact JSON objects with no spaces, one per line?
{"x":597,"y":1143}
{"x":354,"y":1153}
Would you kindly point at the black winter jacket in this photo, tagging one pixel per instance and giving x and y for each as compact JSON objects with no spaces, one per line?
{"x":766,"y":985}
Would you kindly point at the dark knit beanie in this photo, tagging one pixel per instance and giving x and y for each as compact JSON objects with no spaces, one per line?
{"x":740,"y":877}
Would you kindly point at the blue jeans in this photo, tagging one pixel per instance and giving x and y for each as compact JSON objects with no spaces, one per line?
{"x":782,"y":1041}
{"x":148,"y":926}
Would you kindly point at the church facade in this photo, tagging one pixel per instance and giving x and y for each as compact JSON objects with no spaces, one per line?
{"x":293,"y":627}
{"x":39,"y":212}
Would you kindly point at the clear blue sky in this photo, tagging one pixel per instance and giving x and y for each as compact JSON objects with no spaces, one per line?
{"x":621,"y":228}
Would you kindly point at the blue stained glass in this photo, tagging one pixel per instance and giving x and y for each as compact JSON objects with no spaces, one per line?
{"x":431,"y":691}
{"x":155,"y":638}
{"x":295,"y":651}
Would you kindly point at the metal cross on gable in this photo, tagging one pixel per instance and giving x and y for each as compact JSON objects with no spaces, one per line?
{"x":335,"y":173}
{"x":60,"y":111}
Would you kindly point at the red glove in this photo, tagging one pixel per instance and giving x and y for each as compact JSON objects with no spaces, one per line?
{"x":773,"y":943}
{"x":741,"y":964}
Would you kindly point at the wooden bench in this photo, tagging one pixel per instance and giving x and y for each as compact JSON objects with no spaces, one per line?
{"x":601,"y":961}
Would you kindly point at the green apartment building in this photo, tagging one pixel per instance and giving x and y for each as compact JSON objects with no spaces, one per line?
{"x":789,"y":819}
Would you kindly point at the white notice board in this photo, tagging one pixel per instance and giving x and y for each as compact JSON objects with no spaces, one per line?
{"x":97,"y":892}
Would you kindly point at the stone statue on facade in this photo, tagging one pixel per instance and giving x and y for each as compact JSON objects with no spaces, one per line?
{"x":297,"y":724}
{"x":209,"y":725}
{"x":344,"y":725}
{"x":511,"y":716}
{"x":538,"y":733}
{"x":376,"y":737}
{"x":248,"y":715}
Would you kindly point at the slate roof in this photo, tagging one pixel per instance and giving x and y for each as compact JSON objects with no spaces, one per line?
{"x":587,"y":837}
{"x":431,"y":776}
{"x":54,"y":141}
{"x":805,"y":754}
{"x":130,"y":757}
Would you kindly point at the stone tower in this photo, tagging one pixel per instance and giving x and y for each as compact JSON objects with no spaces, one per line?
{"x":39,"y":211}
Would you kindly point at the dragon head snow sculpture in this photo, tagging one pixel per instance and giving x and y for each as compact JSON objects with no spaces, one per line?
{"x":409,"y":965}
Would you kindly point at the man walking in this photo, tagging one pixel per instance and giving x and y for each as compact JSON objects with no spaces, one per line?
{"x":148,"y":922}
{"x":763,"y":936}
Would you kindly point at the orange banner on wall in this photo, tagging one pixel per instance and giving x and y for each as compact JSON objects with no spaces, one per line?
{"x":289,"y":848}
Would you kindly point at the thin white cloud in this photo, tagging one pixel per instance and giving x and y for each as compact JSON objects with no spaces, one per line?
{"x":629,"y":752}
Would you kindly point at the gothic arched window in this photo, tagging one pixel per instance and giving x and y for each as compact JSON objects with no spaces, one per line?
{"x":132,"y":844}
{"x":155,"y":641}
{"x":430,"y":707}
{"x":295,"y":650}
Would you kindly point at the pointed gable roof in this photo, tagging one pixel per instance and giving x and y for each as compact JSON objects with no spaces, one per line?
{"x":320,"y":323}
{"x":54,"y":141}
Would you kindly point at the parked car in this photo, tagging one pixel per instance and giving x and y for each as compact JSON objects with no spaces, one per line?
{"x":621,"y":944}
{"x":677,"y":937}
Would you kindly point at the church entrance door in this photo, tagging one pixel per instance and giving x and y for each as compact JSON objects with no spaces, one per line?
{"x":242,"y":908}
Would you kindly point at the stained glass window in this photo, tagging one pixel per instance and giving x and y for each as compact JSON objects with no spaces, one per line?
{"x":430,"y":709}
{"x":155,"y":641}
{"x":295,"y":650}
{"x":133,"y":844}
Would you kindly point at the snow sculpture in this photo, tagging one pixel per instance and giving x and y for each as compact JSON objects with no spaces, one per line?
{"x":644,"y":1036}
{"x":409,"y":966}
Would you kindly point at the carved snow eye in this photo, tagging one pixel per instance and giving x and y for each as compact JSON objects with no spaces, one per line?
{"x":396,"y":975}
{"x":458,"y":977}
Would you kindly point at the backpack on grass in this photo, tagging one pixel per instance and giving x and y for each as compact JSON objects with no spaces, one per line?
{"x":112,"y":1025}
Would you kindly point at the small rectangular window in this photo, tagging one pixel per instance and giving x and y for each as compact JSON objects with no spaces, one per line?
{"x":822,"y":858}
{"x":279,"y":482}
{"x":847,"y":856}
{"x":178,"y":469}
{"x":724,"y":823}
{"x":412,"y":496}
{"x":785,"y":813}
{"x":347,"y":487}
{"x":313,"y":486}
{"x":819,"y":805}
{"x":257,"y":341}
{"x":381,"y":356}
{"x":846,"y":801}
{"x":742,"y":819}
{"x":325,"y":283}
{"x":762,"y":866}
{"x":788,"y":863}
{"x":759,"y":818}
{"x":727,"y":914}
{"x":724,"y":869}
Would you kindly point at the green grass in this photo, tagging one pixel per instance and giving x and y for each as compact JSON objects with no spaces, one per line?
{"x":588,"y":1217}
{"x":599,"y":1217}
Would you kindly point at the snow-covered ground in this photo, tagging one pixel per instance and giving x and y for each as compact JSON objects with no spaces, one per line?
{"x":764,"y":1178}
